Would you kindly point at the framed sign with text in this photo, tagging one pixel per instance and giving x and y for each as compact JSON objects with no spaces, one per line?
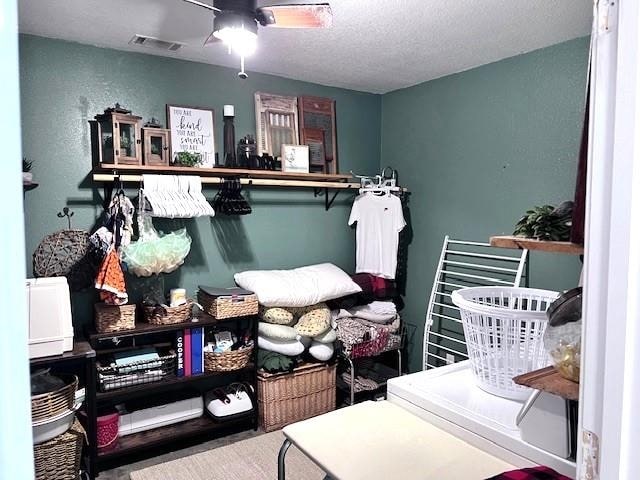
{"x":192,"y":136}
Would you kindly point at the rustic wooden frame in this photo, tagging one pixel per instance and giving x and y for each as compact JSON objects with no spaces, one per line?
{"x":308,"y":107}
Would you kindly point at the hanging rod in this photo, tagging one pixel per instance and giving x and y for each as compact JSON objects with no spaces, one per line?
{"x":262,"y":182}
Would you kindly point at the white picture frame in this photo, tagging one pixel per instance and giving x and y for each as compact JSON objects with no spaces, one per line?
{"x":295,"y":158}
{"x":192,"y":130}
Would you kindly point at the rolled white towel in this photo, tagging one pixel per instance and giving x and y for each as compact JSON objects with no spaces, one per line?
{"x":321,"y":351}
{"x":285,"y":347}
{"x":277,"y":332}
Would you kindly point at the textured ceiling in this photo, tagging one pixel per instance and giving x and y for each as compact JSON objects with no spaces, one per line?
{"x":374,"y":46}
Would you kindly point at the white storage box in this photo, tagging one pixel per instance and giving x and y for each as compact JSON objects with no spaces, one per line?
{"x":49,"y":313}
{"x":160,"y":416}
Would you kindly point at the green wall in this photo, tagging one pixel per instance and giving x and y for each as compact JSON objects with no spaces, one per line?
{"x":477,"y":149}
{"x":65,"y":84}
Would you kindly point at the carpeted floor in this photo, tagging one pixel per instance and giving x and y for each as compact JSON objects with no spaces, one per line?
{"x":251,"y":459}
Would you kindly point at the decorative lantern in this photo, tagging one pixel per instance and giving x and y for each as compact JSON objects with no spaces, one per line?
{"x":119,"y":137}
{"x":155,"y":144}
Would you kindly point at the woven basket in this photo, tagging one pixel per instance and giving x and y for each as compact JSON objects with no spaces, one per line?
{"x":285,"y":398}
{"x":50,"y":404}
{"x":59,"y":458}
{"x":228,"y":306}
{"x":164,"y":315}
{"x":227,"y":361}
{"x":115,"y":318}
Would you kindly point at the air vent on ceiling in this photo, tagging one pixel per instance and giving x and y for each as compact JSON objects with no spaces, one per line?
{"x":156,"y":43}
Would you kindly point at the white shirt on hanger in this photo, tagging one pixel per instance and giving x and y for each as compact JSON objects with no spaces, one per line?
{"x":380,"y":220}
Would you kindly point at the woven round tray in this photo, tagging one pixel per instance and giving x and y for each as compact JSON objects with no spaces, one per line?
{"x":164,"y":315}
{"x":59,"y":458}
{"x":64,"y":253}
{"x":227,"y":361}
{"x":50,"y":404}
{"x":115,"y":318}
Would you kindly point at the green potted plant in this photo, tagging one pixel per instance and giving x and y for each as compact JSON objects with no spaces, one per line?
{"x":27,"y":176}
{"x":188,"y":159}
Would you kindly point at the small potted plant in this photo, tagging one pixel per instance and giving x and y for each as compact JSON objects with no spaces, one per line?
{"x":188,"y":159}
{"x":27,"y":176}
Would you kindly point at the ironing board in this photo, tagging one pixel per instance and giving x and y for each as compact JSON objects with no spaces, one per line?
{"x":382,"y":440}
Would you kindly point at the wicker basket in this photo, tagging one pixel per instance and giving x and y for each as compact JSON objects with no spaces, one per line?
{"x":115,"y":318}
{"x":50,"y":404}
{"x":285,"y":398}
{"x":164,"y":315}
{"x":227,"y":361}
{"x":228,"y":306}
{"x":59,"y":458}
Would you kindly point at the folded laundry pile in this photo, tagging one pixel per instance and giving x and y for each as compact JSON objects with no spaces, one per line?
{"x":367,"y":330}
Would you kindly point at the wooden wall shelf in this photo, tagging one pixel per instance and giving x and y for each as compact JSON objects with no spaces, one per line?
{"x":549,"y":380}
{"x":221,"y":172}
{"x":510,"y":241}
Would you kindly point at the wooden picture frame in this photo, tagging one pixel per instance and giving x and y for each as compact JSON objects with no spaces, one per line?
{"x":276,"y":122}
{"x":318,"y":113}
{"x":192,"y":129}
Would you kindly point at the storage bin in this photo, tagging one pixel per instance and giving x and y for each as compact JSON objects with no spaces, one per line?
{"x":50,"y":404}
{"x":114,"y":318}
{"x":227,"y":361}
{"x":228,"y":306}
{"x":59,"y":458}
{"x":111,"y":376}
{"x":503,"y":330}
{"x":107,"y":430}
{"x":165,"y":315}
{"x":285,"y":398}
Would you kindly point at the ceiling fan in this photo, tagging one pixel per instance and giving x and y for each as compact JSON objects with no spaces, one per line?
{"x":236,"y":22}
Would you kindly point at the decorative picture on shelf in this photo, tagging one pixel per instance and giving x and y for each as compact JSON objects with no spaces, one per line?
{"x":276,"y":122}
{"x":318,"y":113}
{"x":295,"y":158}
{"x":192,"y":136}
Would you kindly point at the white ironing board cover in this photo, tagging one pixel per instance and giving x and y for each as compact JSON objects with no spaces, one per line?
{"x":382,"y":440}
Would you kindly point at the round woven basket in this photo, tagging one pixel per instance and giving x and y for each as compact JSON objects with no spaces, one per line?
{"x":163,"y":315}
{"x":65,"y":254}
{"x":227,"y":361}
{"x":50,"y":404}
{"x":115,"y":318}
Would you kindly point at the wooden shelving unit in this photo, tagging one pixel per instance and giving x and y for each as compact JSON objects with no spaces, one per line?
{"x":510,"y":241}
{"x":148,"y":334}
{"x":549,"y":380}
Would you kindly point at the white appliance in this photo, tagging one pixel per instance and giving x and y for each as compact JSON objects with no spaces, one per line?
{"x":449,"y":398}
{"x":160,"y":415}
{"x":49,"y":311}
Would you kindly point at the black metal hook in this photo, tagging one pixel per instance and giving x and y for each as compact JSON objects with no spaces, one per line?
{"x":66,"y":213}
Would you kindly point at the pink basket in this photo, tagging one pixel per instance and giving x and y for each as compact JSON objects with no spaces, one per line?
{"x":108,"y":430}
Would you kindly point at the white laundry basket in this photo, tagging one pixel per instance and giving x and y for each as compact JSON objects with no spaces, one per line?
{"x":503,"y":329}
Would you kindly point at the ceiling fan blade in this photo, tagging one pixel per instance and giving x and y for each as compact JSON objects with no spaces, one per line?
{"x":296,"y":16}
{"x":211,"y":40}
{"x":203,"y":5}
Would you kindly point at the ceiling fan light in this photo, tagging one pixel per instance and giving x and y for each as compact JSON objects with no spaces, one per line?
{"x":238,"y":38}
